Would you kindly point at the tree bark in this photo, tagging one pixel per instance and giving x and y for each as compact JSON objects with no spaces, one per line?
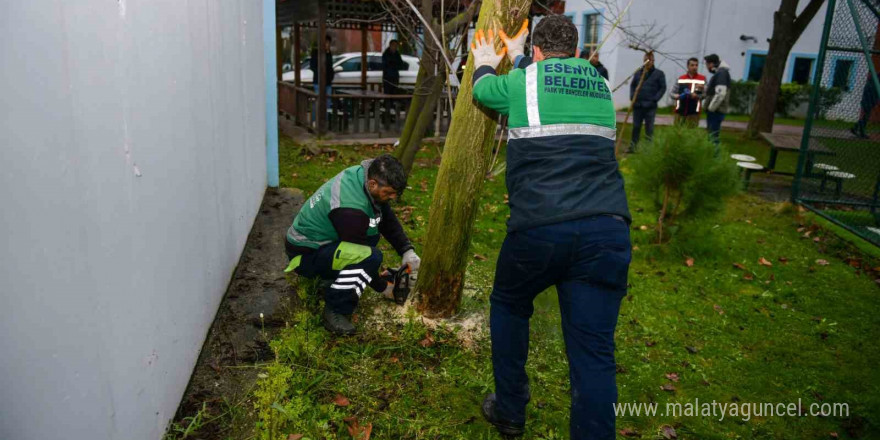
{"x":787,"y":28}
{"x":462,"y":171}
{"x":662,"y":214}
{"x":420,"y":114}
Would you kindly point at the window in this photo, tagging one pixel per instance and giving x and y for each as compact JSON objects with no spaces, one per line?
{"x":802,"y":70}
{"x":374,"y":62}
{"x":352,"y":65}
{"x":755,"y":66}
{"x":591,"y":31}
{"x":801,"y":67}
{"x":842,"y":74}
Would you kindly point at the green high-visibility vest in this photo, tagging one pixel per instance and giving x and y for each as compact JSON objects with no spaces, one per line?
{"x":312,"y":227}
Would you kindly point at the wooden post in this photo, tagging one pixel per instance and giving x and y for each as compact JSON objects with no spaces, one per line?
{"x":297,"y":60}
{"x":364,"y":56}
{"x":321,"y":80}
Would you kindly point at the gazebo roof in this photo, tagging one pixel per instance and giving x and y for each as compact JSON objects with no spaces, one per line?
{"x":351,"y":14}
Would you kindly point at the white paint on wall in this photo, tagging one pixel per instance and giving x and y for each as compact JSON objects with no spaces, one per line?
{"x":690,"y":28}
{"x":132,"y":165}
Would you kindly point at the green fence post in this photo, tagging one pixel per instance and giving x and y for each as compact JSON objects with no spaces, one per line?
{"x":814,"y":102}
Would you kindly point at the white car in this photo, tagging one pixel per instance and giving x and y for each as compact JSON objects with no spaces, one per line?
{"x":348,"y":70}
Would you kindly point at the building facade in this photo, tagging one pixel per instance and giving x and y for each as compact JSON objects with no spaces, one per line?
{"x":133,"y":160}
{"x":738,"y":31}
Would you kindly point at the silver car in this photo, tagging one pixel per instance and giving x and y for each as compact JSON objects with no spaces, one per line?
{"x":348,"y":69}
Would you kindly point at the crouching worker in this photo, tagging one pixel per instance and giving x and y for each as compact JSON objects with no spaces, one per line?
{"x":335,"y":234}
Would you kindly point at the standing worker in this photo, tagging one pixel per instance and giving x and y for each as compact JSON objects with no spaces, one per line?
{"x":569,"y":222}
{"x":392,"y":64}
{"x":645,"y":104}
{"x":870,"y":100}
{"x":717,"y":96}
{"x":329,"y":73}
{"x":687,"y":93}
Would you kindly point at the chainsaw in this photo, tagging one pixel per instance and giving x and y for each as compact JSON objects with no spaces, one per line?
{"x":401,"y":279}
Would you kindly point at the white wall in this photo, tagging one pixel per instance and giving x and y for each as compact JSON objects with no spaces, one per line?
{"x":132,"y":164}
{"x":688,"y":33}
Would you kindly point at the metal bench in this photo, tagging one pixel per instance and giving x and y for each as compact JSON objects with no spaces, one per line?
{"x":742,"y":158}
{"x":837,"y":177}
{"x":748,"y":168}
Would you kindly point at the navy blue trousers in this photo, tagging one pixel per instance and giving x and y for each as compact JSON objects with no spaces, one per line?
{"x":587,"y":260}
{"x":646,"y":116}
{"x":713,"y":126}
{"x":346,"y":284}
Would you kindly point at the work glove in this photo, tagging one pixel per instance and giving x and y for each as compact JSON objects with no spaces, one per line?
{"x":516,"y":45}
{"x":484,"y":54}
{"x":388,"y":293}
{"x":410,"y":258}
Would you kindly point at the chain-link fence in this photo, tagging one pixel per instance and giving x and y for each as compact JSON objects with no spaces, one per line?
{"x":839,"y":165}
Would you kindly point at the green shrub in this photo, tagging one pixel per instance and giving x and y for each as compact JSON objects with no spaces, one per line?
{"x":742,"y":96}
{"x":828,"y":97}
{"x":681,"y":169}
{"x":791,"y":95}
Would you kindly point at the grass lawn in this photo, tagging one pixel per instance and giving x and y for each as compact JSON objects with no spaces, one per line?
{"x":799,"y":328}
{"x":741,"y":118}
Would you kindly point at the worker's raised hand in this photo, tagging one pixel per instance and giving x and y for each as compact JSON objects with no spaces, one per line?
{"x":483,"y":49}
{"x":515,"y":45}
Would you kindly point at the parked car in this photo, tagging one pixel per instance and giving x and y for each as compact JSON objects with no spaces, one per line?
{"x":348,"y":69}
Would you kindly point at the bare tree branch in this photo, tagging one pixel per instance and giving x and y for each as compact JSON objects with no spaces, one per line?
{"x":807,"y":15}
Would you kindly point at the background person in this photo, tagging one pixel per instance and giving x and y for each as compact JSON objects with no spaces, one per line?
{"x":392,"y":64}
{"x":687,"y":93}
{"x":869,"y":101}
{"x":645,"y":105}
{"x":328,"y":69}
{"x":596,"y":63}
{"x":568,"y":222}
{"x":717,"y":96}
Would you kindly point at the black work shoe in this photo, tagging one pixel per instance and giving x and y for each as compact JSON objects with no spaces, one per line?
{"x":336,"y":323}
{"x":505,"y":427}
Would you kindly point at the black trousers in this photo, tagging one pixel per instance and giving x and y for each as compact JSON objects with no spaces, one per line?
{"x":646,"y":116}
{"x":348,"y":277}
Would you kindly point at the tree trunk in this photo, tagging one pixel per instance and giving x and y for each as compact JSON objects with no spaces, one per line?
{"x":767,"y":92}
{"x":420,"y":114}
{"x":420,"y":93}
{"x":428,"y":88}
{"x":662,"y":214}
{"x":459,"y":181}
{"x":787,"y":28}
{"x":425,"y":118}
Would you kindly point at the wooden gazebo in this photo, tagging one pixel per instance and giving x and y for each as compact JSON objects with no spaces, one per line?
{"x":362,"y":111}
{"x":354,"y":111}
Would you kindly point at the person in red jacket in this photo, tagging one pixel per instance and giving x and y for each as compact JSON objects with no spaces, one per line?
{"x":687,"y":92}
